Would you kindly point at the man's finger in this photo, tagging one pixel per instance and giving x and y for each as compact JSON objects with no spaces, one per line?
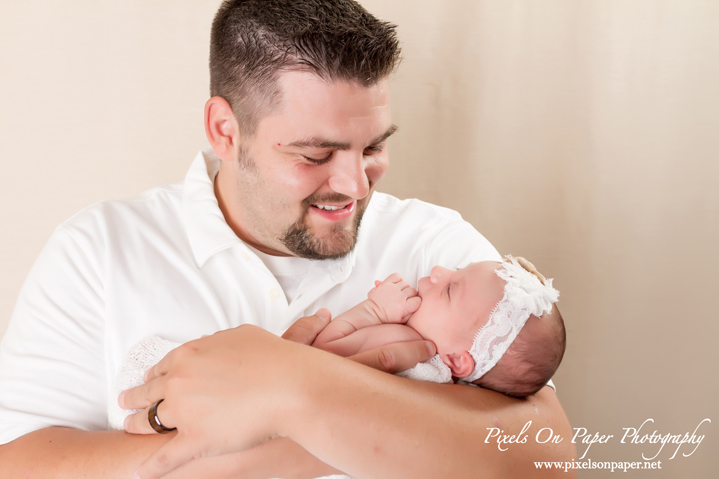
{"x":159,"y":369}
{"x":139,"y":423}
{"x":143,"y":396}
{"x":173,"y":454}
{"x":396,"y":357}
{"x":305,"y":330}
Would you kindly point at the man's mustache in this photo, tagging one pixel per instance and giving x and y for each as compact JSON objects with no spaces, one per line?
{"x":330,"y":198}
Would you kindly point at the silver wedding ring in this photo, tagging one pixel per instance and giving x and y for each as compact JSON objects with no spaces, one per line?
{"x":155,"y":421}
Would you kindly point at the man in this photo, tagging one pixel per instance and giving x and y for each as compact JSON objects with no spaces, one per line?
{"x":264,"y":230}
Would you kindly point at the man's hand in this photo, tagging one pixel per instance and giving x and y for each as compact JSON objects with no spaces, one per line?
{"x":240,"y":374}
{"x":306,"y":329}
{"x":393,"y":299}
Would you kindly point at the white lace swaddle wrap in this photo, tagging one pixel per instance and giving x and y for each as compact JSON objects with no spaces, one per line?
{"x":526,"y":293}
{"x":141,"y":357}
{"x":434,"y":371}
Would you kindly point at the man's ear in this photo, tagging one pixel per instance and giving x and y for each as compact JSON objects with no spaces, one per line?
{"x":221,"y":128}
{"x":461,"y":364}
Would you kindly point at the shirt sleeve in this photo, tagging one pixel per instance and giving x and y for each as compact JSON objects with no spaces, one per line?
{"x":52,"y":355}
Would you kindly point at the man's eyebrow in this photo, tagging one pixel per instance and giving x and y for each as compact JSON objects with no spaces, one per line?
{"x":390,"y":131}
{"x":315,"y":142}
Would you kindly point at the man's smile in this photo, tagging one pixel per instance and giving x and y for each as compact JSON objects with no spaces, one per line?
{"x":335,"y":212}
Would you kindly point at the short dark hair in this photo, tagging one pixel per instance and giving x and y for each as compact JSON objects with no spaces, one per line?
{"x":254,"y":40}
{"x":529,"y":362}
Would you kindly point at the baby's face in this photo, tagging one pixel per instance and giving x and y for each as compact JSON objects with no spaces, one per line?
{"x":455,"y":304}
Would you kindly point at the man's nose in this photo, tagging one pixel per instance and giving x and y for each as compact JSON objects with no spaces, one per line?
{"x":439,"y":274}
{"x":348,"y":175}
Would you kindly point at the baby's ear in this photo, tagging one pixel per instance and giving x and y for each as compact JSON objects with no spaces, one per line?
{"x":461,"y":364}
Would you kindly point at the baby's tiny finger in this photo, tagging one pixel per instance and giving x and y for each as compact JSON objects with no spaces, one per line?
{"x":403,"y":285}
{"x":377,"y":283}
{"x":413,"y":304}
{"x":409,"y":292}
{"x":394,"y":278}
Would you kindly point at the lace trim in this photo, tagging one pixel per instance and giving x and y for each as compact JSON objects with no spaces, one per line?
{"x":525,"y":294}
{"x":141,"y":357}
{"x":434,"y":370}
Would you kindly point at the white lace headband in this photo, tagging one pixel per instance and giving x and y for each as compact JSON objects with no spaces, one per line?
{"x":526,"y":293}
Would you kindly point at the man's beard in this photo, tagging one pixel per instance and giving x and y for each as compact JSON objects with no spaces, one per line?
{"x":298,"y":238}
{"x":302,"y":242}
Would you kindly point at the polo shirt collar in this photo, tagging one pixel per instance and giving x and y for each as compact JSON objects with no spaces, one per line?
{"x":207,"y":230}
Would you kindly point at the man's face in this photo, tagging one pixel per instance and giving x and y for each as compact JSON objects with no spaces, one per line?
{"x":304,"y":180}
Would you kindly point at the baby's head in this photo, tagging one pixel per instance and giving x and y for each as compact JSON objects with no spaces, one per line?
{"x":483,"y":328}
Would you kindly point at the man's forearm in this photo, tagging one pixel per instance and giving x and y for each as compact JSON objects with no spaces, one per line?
{"x":359,"y":420}
{"x":60,"y":452}
{"x":378,"y":425}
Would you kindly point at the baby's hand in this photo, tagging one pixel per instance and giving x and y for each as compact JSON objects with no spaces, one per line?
{"x":393,"y":300}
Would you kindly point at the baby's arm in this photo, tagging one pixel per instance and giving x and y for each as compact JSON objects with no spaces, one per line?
{"x":369,"y":338}
{"x":390,"y":301}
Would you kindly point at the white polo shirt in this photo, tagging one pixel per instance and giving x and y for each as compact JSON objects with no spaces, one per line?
{"x":166,"y":263}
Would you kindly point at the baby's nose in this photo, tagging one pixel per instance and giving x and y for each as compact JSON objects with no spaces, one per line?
{"x":438,"y":274}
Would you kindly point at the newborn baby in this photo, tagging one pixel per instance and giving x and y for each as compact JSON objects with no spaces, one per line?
{"x":494,"y":325}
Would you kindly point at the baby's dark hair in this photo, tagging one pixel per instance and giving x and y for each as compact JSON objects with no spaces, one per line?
{"x":531,"y":360}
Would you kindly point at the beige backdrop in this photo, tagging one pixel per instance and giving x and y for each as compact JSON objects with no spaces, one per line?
{"x":581,"y":134}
